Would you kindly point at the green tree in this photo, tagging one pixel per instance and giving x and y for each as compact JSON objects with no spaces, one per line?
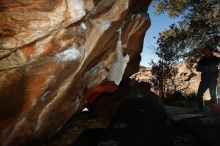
{"x":170,"y":50}
{"x":200,"y":21}
{"x":199,"y":26}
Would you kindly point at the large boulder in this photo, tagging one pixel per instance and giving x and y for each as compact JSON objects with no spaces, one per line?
{"x":52,"y":51}
{"x":186,"y":80}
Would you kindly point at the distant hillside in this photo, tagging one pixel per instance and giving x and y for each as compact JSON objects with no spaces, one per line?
{"x":187,"y":80}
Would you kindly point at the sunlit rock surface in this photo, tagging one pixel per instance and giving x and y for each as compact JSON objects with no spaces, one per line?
{"x":53,"y":51}
{"x":187,"y":80}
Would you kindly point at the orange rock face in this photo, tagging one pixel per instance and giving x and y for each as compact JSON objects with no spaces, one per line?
{"x":53,"y":51}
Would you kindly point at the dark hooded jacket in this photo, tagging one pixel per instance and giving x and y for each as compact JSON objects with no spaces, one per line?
{"x":208,"y":66}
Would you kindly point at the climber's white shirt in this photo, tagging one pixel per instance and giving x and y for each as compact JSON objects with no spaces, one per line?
{"x":117,"y":70}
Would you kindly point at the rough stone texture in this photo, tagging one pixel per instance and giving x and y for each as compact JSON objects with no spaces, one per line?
{"x":52,"y":51}
{"x":99,"y":115}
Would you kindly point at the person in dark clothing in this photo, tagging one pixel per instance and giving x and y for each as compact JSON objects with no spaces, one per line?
{"x":208,"y":66}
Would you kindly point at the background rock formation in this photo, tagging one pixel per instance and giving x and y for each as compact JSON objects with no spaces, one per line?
{"x":52,"y":51}
{"x":187,"y":80}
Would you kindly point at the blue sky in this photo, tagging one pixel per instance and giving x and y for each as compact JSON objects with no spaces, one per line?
{"x":158,"y":24}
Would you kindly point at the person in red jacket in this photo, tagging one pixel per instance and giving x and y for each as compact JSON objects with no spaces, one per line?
{"x":105,"y":87}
